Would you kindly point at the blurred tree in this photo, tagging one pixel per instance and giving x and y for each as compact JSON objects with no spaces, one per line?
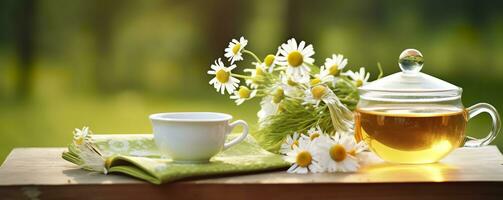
{"x":293,"y":27}
{"x":24,"y":37}
{"x":104,"y":13}
{"x":222,"y":23}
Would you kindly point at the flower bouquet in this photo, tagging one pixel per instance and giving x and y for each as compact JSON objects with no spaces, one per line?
{"x":297,"y":96}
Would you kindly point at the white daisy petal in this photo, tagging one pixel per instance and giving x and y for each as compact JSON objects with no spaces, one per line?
{"x":292,"y":168}
{"x":301,"y":46}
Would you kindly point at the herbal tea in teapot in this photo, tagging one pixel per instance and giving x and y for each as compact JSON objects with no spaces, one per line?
{"x":417,"y":135}
{"x":412,"y":117}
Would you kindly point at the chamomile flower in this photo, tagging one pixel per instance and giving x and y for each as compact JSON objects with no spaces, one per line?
{"x":357,"y":147}
{"x":339,"y":153}
{"x":334,"y":65}
{"x":313,"y":133}
{"x":270,"y":104}
{"x":321,"y":78}
{"x":316,"y":94}
{"x":303,"y":157}
{"x":80,"y":135}
{"x":290,"y":142}
{"x":330,"y":71}
{"x":296,"y":58}
{"x":234,"y":51}
{"x":243,"y":94}
{"x":223,"y":79}
{"x":257,"y":75}
{"x":89,"y":154}
{"x":290,"y":86}
{"x":360,"y":78}
{"x":270,"y":62}
{"x":268,"y":107}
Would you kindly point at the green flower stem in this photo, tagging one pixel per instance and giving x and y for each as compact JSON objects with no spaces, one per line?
{"x":279,"y":68}
{"x":241,"y":76}
{"x":380,"y":70}
{"x":252,"y":54}
{"x":261,"y":93}
{"x":349,"y":101}
{"x":295,"y":98}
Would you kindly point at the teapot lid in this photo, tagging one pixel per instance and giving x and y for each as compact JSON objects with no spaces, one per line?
{"x":410,"y":84}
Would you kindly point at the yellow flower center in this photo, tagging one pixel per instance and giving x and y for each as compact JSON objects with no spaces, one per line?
{"x":268,"y":60}
{"x":278,"y":95}
{"x":337,"y":153}
{"x":79,"y":141}
{"x":236,"y":48}
{"x":244,"y":92}
{"x":259,"y":71}
{"x":334,"y":70}
{"x":294,"y":143}
{"x":358,"y":83}
{"x":318,"y":91}
{"x":315,"y":81}
{"x":314,"y":136}
{"x":223,"y":76}
{"x":295,"y":58}
{"x":304,"y":159}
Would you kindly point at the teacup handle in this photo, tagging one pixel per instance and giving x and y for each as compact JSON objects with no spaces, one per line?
{"x":241,"y":137}
{"x":474,"y":111}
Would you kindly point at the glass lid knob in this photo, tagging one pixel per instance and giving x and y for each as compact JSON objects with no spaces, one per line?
{"x":411,"y":61}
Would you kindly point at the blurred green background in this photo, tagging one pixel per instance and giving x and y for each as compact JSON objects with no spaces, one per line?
{"x":109,"y":64}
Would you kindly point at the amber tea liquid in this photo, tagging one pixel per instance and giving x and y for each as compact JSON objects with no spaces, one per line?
{"x":411,"y":135}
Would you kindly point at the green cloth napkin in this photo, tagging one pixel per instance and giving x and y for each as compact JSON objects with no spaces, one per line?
{"x":137,"y":155}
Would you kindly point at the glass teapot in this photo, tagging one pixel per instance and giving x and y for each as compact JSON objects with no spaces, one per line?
{"x":412,"y":117}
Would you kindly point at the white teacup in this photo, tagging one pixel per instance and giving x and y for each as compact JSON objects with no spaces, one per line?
{"x":194,"y":137}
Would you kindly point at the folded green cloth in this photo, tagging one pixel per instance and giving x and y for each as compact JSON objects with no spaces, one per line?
{"x":137,"y":155}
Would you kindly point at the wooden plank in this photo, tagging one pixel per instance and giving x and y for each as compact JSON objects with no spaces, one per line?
{"x":30,"y":173}
{"x":44,"y":166}
{"x":183,"y":190}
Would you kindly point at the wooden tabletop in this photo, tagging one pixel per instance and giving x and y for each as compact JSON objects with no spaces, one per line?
{"x":466,"y":173}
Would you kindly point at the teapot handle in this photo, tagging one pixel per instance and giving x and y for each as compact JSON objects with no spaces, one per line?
{"x":496,"y":124}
